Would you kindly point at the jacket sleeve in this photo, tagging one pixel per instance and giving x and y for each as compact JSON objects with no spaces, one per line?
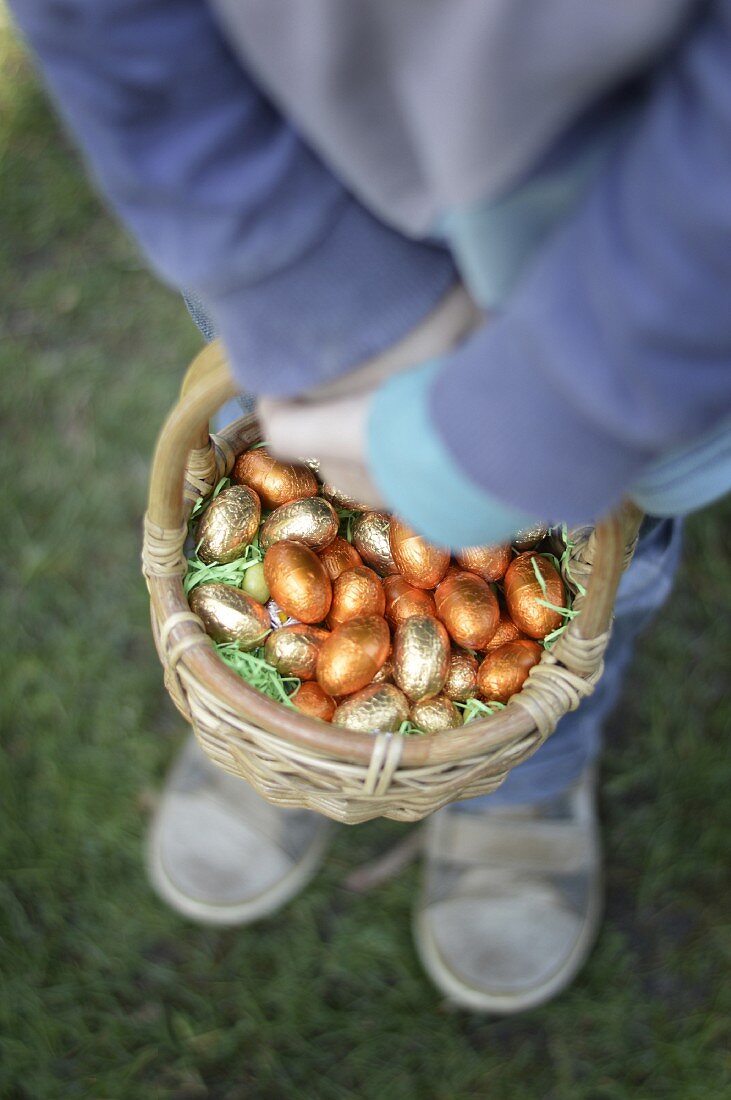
{"x":615,"y":347}
{"x":223,"y":197}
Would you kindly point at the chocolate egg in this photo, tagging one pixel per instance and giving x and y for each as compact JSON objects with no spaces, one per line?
{"x":404,"y":599}
{"x":338,"y":556}
{"x":297,"y":581}
{"x":229,"y":615}
{"x":371,"y":540}
{"x":506,"y":631}
{"x":312,"y":700}
{"x":468,"y":608}
{"x":385,"y":673}
{"x":524,"y":593}
{"x":420,"y":656}
{"x":433,"y":715}
{"x":375,"y":708}
{"x":420,"y":563}
{"x":356,"y":592}
{"x":276,"y":482}
{"x":312,"y":521}
{"x":293,"y":650}
{"x":342,"y":500}
{"x":488,"y":562}
{"x":353,"y":654}
{"x":461,"y":682}
{"x":228,"y":524}
{"x":505,"y":670}
{"x":529,"y":537}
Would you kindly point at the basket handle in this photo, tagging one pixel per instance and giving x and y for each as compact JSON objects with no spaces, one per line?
{"x":208,"y":384}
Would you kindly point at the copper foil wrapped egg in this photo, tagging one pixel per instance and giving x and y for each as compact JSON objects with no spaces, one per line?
{"x":420,"y":656}
{"x":228,"y":524}
{"x":356,"y":592}
{"x":506,"y":631}
{"x":420,"y":563}
{"x":312,"y":521}
{"x":371,"y":540}
{"x":342,"y":500}
{"x":505,"y":670}
{"x":353,"y":654}
{"x":312,"y":700}
{"x":433,"y":715}
{"x":338,"y":556}
{"x":529,"y":537}
{"x":297,"y":581}
{"x":293,"y":650}
{"x":229,"y":615}
{"x":468,"y":608}
{"x":404,"y":599}
{"x":276,"y":482}
{"x":488,"y":562}
{"x":374,"y":708}
{"x":461,"y":682}
{"x":523,"y":592}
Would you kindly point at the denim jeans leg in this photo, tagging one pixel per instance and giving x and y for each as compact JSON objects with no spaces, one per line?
{"x":233,"y":409}
{"x":577,"y":740}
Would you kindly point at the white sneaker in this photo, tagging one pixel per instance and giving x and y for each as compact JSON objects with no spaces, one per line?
{"x":220,"y":854}
{"x":511,"y":900}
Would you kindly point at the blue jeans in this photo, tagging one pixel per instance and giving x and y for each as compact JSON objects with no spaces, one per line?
{"x":577,"y":740}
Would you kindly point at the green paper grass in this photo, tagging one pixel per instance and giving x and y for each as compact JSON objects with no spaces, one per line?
{"x":475,"y":708}
{"x":258,"y":673}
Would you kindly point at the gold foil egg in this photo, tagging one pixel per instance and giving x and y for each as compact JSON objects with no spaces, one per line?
{"x":371,"y":540}
{"x":297,"y":581}
{"x":228,"y":524}
{"x":356,"y":592}
{"x":506,"y":631}
{"x":276,"y":482}
{"x":312,"y":521}
{"x":524,"y":594}
{"x":488,"y":562}
{"x":420,"y":563}
{"x":375,"y":708}
{"x":505,"y":670}
{"x":342,"y":500}
{"x":293,"y":650}
{"x":229,"y":615}
{"x":420,"y":656}
{"x":461,"y":682}
{"x":312,"y":700}
{"x":529,"y":537}
{"x":435,"y":714}
{"x":338,"y":556}
{"x":468,"y":608}
{"x":353,"y":654}
{"x":404,"y":599}
{"x":385,"y":673}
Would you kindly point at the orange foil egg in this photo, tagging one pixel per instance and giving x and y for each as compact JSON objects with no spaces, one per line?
{"x":297,"y":581}
{"x":339,"y":556}
{"x":468,"y":608}
{"x":420,"y":656}
{"x":356,"y":592}
{"x":506,"y":631}
{"x":276,"y":482}
{"x":404,"y":599}
{"x":505,"y":670}
{"x":371,"y":540}
{"x":293,"y":650}
{"x":422,"y":564}
{"x":312,"y":700}
{"x":461,"y":682}
{"x":488,"y":562}
{"x":353,"y":654}
{"x":525,"y":597}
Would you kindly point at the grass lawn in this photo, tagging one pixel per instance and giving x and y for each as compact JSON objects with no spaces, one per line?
{"x":108,"y":995}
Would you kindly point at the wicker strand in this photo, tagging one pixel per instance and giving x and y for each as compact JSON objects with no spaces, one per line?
{"x":206,"y":466}
{"x":162,"y":550}
{"x":550,"y":691}
{"x":385,"y":760}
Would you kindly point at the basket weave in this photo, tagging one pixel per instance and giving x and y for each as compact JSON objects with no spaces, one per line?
{"x":294,"y":760}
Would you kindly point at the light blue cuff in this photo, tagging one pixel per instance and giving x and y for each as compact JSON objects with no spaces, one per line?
{"x":689,"y":477}
{"x":417,"y":476}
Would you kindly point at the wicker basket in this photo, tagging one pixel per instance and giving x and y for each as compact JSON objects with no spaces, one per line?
{"x":293,"y":760}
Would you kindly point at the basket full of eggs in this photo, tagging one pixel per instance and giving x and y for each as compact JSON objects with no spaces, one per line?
{"x":333,"y":658}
